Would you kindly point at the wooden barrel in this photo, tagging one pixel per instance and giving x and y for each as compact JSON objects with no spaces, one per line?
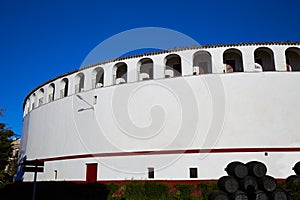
{"x":237,"y":169}
{"x":278,"y":194}
{"x":238,"y":195}
{"x":248,"y":184}
{"x":260,"y":195}
{"x":256,"y":169}
{"x":267,"y":183}
{"x":293,"y":179}
{"x":296,"y":168}
{"x":218,"y":195}
{"x":228,"y":184}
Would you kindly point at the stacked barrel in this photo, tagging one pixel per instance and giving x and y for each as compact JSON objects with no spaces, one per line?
{"x":247,"y":182}
{"x":295,"y":178}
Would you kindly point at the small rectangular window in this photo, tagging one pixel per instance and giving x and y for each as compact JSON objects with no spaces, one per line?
{"x":150,"y":172}
{"x":95,"y":100}
{"x":193,"y":173}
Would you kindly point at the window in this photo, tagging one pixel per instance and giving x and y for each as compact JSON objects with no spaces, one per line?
{"x":173,"y":66}
{"x":265,"y":57}
{"x":79,"y":83}
{"x":234,"y":58}
{"x":202,"y":63}
{"x":292,"y":55}
{"x":98,"y":77}
{"x":145,"y":67}
{"x":64,"y":88}
{"x":120,"y":73}
{"x":193,"y":173}
{"x":150,"y":172}
{"x":51,"y":91}
{"x":32,"y":101}
{"x":41,"y":97}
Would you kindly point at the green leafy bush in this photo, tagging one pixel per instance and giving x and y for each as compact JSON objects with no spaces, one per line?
{"x":184,"y":191}
{"x":157,"y":191}
{"x":206,"y":188}
{"x":134,"y":190}
{"x":115,"y":192}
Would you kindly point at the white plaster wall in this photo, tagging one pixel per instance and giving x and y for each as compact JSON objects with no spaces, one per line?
{"x":260,"y":110}
{"x":236,"y":110}
{"x":166,"y":167}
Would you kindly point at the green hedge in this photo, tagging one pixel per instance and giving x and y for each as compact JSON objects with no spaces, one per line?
{"x":159,"y":191}
{"x":206,"y":188}
{"x":135,"y":190}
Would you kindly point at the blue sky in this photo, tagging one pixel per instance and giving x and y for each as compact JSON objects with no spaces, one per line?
{"x":43,"y":39}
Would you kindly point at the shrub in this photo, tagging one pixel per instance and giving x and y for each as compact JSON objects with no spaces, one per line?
{"x":115,"y":192}
{"x":206,"y":188}
{"x":184,"y":191}
{"x":156,"y":191}
{"x":134,"y":190}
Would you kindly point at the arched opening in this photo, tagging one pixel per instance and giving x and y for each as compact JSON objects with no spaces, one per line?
{"x":202,"y":63}
{"x":64,"y":87}
{"x":27,"y":107}
{"x":51,"y":91}
{"x":233,"y":57}
{"x":79,"y":83}
{"x":145,"y":69}
{"x":120,"y":73}
{"x":98,"y":77}
{"x":265,"y":57}
{"x":292,"y":56}
{"x":41,"y":97}
{"x":173,"y":66}
{"x":32,"y":101}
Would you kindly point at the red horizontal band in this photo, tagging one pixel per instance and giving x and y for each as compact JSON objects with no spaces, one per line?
{"x":163,"y":152}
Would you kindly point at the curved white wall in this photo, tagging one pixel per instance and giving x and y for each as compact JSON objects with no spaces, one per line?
{"x":241,"y":111}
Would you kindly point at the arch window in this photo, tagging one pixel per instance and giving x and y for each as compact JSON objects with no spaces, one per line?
{"x":41,"y":97}
{"x":202,"y":63}
{"x":98,"y":77}
{"x":32,"y":101}
{"x":64,"y":88}
{"x":292,"y":56}
{"x":145,"y":67}
{"x":27,"y":107}
{"x":79,"y":83}
{"x":233,"y":57}
{"x":265,"y":57}
{"x":173,"y":66}
{"x":120,"y":73}
{"x":51,"y":92}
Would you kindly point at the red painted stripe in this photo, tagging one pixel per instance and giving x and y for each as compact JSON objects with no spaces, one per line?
{"x":163,"y":152}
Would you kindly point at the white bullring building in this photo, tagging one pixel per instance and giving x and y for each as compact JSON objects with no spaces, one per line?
{"x":180,"y":114}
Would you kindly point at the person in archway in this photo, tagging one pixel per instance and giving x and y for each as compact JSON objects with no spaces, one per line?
{"x":257,"y":67}
{"x":201,"y":70}
{"x":229,"y":68}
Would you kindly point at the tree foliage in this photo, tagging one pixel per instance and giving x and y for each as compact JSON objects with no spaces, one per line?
{"x":5,"y":146}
